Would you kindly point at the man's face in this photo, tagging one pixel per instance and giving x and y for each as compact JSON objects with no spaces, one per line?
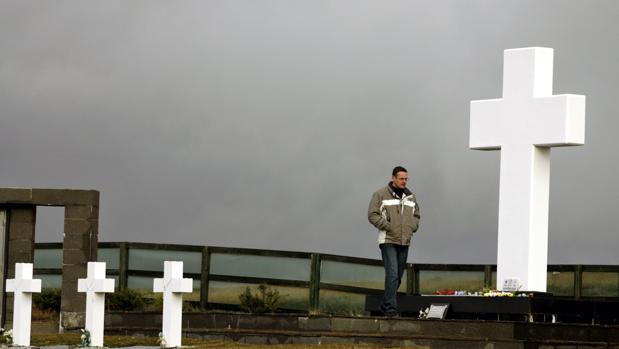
{"x":400,"y":179}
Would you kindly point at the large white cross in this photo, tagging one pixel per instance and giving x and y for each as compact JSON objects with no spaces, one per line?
{"x":524,"y":125}
{"x":172,"y":285}
{"x":95,"y":286}
{"x":23,"y":286}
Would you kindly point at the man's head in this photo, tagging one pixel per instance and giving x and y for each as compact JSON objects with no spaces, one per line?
{"x":399,"y":177}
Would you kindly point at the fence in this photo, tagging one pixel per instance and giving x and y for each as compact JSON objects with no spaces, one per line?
{"x":312,"y":282}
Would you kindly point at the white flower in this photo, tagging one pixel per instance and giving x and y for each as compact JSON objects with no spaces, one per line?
{"x":162,"y":342}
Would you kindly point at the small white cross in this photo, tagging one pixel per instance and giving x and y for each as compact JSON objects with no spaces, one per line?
{"x":524,"y":125}
{"x":23,"y":286}
{"x":95,"y":286}
{"x":172,"y":285}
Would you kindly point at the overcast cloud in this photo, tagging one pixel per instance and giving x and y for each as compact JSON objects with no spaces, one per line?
{"x":268,"y":124}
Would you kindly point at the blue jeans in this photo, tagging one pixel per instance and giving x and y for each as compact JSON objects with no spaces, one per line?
{"x":394,"y":259}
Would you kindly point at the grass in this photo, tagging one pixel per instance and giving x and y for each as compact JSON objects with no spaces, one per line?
{"x":228,"y":293}
{"x":128,"y":341}
{"x":113,"y":341}
{"x":43,"y":314}
{"x":600,"y":284}
{"x":440,"y":280}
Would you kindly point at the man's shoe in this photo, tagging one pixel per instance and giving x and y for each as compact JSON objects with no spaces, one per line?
{"x":391,"y":313}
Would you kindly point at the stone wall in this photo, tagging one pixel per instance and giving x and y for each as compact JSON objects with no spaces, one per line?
{"x":81,"y":226}
{"x":376,"y":331}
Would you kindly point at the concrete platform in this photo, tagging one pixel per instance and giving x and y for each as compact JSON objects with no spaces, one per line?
{"x":400,"y":332}
{"x":540,"y":308}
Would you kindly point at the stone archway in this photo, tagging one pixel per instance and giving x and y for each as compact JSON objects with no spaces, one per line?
{"x":80,"y":238}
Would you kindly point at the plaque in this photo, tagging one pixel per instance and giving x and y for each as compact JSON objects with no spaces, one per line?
{"x":511,"y":285}
{"x":437,"y":311}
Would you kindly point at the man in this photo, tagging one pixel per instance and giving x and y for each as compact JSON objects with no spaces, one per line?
{"x":394,"y":212}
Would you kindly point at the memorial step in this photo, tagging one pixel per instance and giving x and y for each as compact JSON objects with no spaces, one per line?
{"x":400,"y":339}
{"x":542,"y":308}
{"x":299,"y":328}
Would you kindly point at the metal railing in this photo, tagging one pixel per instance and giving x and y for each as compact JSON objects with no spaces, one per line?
{"x":315,"y":282}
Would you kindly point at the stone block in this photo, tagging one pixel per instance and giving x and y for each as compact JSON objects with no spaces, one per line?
{"x":540,"y":331}
{"x":93,"y":248}
{"x":246,"y":321}
{"x":287,"y":323}
{"x":267,"y":322}
{"x":256,"y":340}
{"x":79,"y":226}
{"x":286,"y":339}
{"x":199,"y":320}
{"x":72,"y":319}
{"x":9,"y":303}
{"x":399,"y":326}
{"x":15,"y":195}
{"x":75,"y":256}
{"x":74,"y":302}
{"x":305,"y":340}
{"x":448,"y":343}
{"x":375,"y":341}
{"x":466,"y":330}
{"x":24,"y":214}
{"x":214,"y":337}
{"x":70,"y":274}
{"x":65,"y":197}
{"x":419,"y":343}
{"x":274,"y":339}
{"x":69,"y":287}
{"x":83,"y":197}
{"x":81,"y":212}
{"x":495,"y":330}
{"x":77,"y":241}
{"x":508,"y":345}
{"x":113,"y":319}
{"x":49,"y":197}
{"x":229,"y":321}
{"x":128,"y":319}
{"x":308,"y":323}
{"x":326,"y":340}
{"x":355,"y":325}
{"x":20,"y":251}
{"x":21,"y":230}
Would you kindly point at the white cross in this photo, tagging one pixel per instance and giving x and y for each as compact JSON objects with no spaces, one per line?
{"x":95,"y":286}
{"x":23,"y":286}
{"x":524,"y":125}
{"x":172,"y":285}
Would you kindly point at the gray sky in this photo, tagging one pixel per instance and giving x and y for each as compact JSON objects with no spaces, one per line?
{"x":268,"y":124}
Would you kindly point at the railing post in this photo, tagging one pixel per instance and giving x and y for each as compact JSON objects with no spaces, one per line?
{"x":3,"y":254}
{"x":416,"y":283}
{"x":206,"y":267}
{"x":578,"y":282}
{"x":488,"y":277}
{"x":123,"y":265}
{"x":411,"y":280}
{"x":314,"y":284}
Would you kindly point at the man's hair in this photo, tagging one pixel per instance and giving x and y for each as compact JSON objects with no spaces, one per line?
{"x":398,"y":169}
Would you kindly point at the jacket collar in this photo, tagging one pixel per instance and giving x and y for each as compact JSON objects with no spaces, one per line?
{"x":406,"y":192}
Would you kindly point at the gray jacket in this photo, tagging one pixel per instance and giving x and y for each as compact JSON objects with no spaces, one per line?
{"x":395,"y":218}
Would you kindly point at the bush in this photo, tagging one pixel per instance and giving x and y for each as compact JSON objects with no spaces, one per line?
{"x":263,"y":301}
{"x":124,"y":300}
{"x":154,"y":302}
{"x":48,"y":299}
